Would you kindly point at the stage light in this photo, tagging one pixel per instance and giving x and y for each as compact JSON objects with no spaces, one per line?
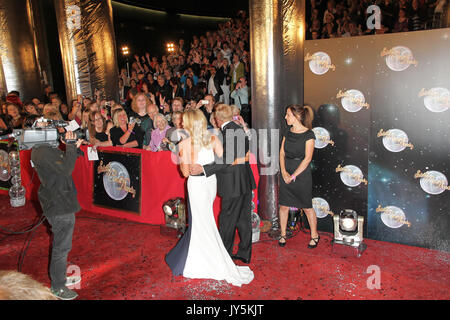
{"x":348,"y":221}
{"x":170,"y":47}
{"x":348,"y":230}
{"x":175,"y":213}
{"x":125,"y":50}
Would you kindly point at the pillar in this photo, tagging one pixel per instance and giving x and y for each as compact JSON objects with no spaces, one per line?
{"x":88,"y":48}
{"x":20,"y":69}
{"x":277,"y":35}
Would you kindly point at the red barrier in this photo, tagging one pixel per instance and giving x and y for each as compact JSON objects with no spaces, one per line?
{"x":160,"y":180}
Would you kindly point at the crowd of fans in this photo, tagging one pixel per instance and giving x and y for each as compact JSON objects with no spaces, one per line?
{"x":346,"y":18}
{"x":154,"y":92}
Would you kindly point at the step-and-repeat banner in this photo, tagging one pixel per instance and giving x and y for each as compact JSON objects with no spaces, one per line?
{"x":382,"y":126}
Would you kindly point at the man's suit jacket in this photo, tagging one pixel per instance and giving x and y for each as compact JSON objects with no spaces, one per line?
{"x":232,"y":180}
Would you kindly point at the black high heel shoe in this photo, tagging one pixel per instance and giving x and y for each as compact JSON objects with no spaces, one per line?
{"x":282,"y":244}
{"x":316,"y":242}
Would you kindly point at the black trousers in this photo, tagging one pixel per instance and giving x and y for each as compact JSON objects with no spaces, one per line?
{"x":62,"y":229}
{"x":236,"y":213}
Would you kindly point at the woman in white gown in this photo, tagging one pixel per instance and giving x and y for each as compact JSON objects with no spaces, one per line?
{"x":200,"y":253}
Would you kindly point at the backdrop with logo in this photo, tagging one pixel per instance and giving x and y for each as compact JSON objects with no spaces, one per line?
{"x":117,"y":181}
{"x":382,"y":125}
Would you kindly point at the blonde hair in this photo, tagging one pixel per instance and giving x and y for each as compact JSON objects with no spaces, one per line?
{"x":50,"y":110}
{"x":224,"y":112}
{"x":116,"y":116}
{"x":134,"y":106}
{"x":19,"y":286}
{"x":194,"y":122}
{"x":235,"y":110}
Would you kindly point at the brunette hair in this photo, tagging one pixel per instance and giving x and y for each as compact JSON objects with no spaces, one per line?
{"x":91,"y":125}
{"x":304,"y":114}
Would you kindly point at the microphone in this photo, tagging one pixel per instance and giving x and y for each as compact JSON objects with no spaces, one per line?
{"x":11,"y":135}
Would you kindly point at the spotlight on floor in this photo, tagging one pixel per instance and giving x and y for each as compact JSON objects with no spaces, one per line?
{"x":175,"y":216}
{"x":348,"y":230}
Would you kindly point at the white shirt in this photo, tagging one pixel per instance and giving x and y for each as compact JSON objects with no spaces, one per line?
{"x":224,"y":124}
{"x":211,"y":87}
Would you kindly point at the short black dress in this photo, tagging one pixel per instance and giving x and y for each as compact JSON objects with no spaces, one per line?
{"x":298,"y":193}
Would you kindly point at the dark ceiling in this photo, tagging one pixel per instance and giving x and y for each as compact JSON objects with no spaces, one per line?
{"x":227,"y":8}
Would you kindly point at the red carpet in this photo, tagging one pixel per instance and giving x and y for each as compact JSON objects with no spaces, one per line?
{"x":124,"y":260}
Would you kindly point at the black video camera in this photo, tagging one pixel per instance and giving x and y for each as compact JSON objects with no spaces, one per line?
{"x":44,"y":131}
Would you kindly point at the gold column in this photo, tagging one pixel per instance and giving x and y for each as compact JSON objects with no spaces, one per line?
{"x":88,"y":48}
{"x":20,"y":68}
{"x":3,"y":90}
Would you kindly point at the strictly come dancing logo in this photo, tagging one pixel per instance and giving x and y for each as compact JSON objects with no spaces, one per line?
{"x":322,"y":138}
{"x":436,"y":99}
{"x":352,"y":100}
{"x":395,"y":140}
{"x":116,"y":180}
{"x":321,"y":207}
{"x":399,"y":58}
{"x":432,"y":182}
{"x":319,"y":63}
{"x":351,"y":175}
{"x":393,"y":217}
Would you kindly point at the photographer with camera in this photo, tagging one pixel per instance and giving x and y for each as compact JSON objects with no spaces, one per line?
{"x":58,"y":198}
{"x":241,"y":99}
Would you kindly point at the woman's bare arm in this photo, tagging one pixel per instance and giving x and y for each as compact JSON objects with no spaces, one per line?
{"x":184,"y":158}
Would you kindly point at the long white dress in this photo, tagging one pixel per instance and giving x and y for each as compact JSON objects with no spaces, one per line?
{"x":200,"y":254}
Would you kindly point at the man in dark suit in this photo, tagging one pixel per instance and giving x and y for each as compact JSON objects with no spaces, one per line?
{"x":235,"y":183}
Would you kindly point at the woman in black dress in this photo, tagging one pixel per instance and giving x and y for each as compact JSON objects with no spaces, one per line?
{"x":296,"y":154}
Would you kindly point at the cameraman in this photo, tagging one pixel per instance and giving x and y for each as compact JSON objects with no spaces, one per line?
{"x":58,"y":198}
